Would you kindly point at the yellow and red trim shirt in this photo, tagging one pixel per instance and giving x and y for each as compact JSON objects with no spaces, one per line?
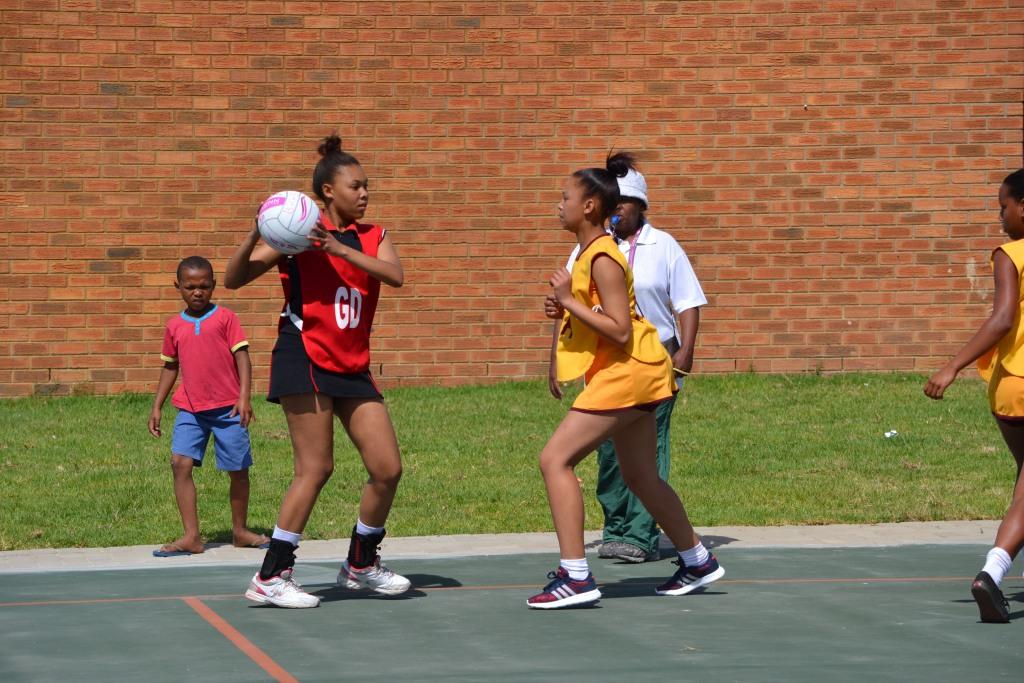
{"x":204,"y":349}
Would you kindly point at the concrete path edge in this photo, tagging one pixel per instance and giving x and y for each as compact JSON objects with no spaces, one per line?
{"x":981,"y":532}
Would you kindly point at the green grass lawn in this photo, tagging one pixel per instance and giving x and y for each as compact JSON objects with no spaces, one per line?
{"x":746,"y":449}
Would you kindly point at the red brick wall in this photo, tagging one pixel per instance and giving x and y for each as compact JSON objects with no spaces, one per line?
{"x":830,"y":165}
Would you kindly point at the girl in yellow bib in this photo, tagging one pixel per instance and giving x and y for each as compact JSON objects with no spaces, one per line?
{"x":627,"y":373}
{"x":998,"y":346}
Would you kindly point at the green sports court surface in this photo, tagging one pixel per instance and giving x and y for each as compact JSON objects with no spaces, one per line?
{"x":849,"y":614}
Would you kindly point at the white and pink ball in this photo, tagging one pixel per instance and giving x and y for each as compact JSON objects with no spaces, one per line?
{"x":285,"y":220}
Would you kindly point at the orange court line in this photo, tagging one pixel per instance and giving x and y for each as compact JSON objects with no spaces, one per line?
{"x":525,"y":586}
{"x":241,"y":642}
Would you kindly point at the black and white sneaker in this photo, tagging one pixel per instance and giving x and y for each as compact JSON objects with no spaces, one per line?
{"x":688,"y":579}
{"x":991,"y":604}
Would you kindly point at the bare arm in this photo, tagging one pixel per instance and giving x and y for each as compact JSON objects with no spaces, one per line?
{"x":555,"y":311}
{"x":1004,"y":309}
{"x":613,"y":321}
{"x":249,"y":261}
{"x":385,"y":267}
{"x":168,"y":375}
{"x":244,"y":405}
{"x":553,"y":387}
{"x":687,"y":323}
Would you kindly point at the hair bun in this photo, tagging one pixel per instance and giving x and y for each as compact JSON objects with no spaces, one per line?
{"x":620,"y":163}
{"x":330,"y":145}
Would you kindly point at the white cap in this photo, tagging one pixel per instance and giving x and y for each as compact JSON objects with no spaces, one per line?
{"x":633,"y":185}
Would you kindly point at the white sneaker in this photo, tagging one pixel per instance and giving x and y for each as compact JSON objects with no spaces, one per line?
{"x":377,"y":577}
{"x":282,"y":591}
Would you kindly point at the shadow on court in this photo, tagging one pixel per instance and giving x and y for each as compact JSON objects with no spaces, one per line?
{"x":778,"y":615}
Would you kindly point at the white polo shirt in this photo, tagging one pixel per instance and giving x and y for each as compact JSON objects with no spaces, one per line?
{"x":663,"y":279}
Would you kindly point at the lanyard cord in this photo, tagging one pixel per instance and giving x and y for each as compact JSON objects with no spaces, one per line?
{"x":632,"y":247}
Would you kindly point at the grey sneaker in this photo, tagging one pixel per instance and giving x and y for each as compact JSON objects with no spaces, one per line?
{"x":610,"y":550}
{"x":631,"y":553}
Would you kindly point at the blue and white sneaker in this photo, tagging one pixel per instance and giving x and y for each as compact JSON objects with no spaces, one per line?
{"x":565,"y":592}
{"x":688,"y":579}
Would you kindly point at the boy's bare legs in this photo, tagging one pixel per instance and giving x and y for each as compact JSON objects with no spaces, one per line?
{"x":369,"y":427}
{"x":238,"y":493}
{"x":636,"y":449}
{"x":185,"y":495}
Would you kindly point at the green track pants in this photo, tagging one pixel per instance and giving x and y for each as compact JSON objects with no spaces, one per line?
{"x":625,"y":518}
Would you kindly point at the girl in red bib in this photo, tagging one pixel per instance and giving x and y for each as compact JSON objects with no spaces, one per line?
{"x":320,"y":369}
{"x":998,"y":346}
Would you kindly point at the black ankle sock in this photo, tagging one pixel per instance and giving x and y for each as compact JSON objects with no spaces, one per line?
{"x":280,"y":556}
{"x":362,"y":550}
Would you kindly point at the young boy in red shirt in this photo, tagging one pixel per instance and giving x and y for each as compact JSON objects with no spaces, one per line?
{"x":207,"y":343}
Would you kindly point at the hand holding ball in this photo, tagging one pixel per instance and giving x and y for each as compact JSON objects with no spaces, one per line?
{"x":285,"y":220}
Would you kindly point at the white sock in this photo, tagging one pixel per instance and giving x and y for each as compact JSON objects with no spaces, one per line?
{"x":282,"y":535}
{"x":578,"y":569}
{"x":364,"y":530}
{"x":695,"y":556}
{"x":997,"y":563}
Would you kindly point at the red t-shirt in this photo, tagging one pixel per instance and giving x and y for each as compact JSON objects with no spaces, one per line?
{"x":332,"y":302}
{"x":204,"y":349}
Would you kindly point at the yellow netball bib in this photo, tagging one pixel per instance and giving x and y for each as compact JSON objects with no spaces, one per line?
{"x":578,"y":343}
{"x":1009,"y":352}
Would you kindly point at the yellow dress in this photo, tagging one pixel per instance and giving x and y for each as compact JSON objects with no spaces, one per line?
{"x":1003,"y":365}
{"x":636,"y":374}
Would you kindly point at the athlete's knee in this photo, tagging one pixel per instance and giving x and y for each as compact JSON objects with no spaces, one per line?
{"x":387,"y":476}
{"x":316,"y":474}
{"x":551,"y":463}
{"x":544,"y":462}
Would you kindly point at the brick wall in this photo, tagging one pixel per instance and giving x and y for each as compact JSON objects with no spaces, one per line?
{"x":831,"y":167}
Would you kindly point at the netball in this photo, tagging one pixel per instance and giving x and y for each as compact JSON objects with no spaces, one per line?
{"x":285,"y":219}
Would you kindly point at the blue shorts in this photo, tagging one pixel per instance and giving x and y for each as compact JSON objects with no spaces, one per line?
{"x":230,"y":439}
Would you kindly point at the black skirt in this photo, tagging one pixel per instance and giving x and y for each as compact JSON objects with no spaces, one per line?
{"x":291,"y":372}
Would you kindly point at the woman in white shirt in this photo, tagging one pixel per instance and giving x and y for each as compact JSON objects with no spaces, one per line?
{"x":669,"y":295}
